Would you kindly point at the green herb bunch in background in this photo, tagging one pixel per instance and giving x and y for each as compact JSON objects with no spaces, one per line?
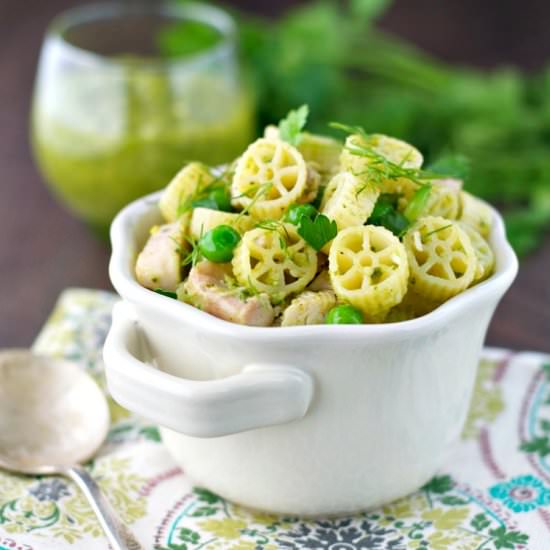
{"x":330,"y":55}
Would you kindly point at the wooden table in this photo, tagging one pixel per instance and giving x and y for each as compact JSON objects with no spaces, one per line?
{"x":44,"y":250}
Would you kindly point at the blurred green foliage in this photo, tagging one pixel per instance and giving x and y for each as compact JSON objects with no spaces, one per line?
{"x":330,"y":55}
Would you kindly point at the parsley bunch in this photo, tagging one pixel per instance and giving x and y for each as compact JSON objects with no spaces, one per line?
{"x":498,"y":119}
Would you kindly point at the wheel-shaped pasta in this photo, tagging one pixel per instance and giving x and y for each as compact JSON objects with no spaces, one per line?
{"x":442,"y":259}
{"x":348,"y":200}
{"x":275,"y":261}
{"x":476,"y":213}
{"x":368,"y":268}
{"x":269,"y":177}
{"x":443,"y":201}
{"x":485,"y":255}
{"x":323,"y":151}
{"x":205,"y":219}
{"x":392,"y":149}
{"x":309,"y":308}
{"x":185,"y":184}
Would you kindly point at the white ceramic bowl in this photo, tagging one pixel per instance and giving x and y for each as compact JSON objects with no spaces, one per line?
{"x":308,"y":420}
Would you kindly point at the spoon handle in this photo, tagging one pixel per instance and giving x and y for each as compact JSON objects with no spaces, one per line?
{"x":118,"y":534}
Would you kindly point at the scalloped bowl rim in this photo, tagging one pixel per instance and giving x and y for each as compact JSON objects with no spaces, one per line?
{"x":122,"y":276}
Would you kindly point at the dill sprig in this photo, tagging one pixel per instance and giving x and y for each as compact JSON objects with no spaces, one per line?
{"x":255,"y":193}
{"x":192,"y":257}
{"x":280,"y":228}
{"x":379,"y":168}
{"x":436,"y":230}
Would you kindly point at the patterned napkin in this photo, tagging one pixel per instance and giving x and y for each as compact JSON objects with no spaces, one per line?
{"x":493,"y":493}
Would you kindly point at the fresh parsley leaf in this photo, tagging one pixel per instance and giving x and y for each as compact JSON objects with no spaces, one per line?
{"x":290,"y":128}
{"x":167,"y":293}
{"x":318,"y":231}
{"x":385,"y":213}
{"x":418,"y":203}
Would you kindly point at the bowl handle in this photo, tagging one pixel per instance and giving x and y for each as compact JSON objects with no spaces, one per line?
{"x":262,"y":394}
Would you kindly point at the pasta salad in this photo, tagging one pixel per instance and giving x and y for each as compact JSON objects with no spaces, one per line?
{"x":304,"y":229}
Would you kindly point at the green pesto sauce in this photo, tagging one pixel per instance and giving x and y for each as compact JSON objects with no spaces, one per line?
{"x":106,"y":140}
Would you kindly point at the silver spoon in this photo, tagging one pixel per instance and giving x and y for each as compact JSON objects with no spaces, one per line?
{"x":54,"y":417}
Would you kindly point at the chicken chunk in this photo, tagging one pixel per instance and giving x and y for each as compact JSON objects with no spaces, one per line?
{"x":159,"y":263}
{"x":208,"y":287}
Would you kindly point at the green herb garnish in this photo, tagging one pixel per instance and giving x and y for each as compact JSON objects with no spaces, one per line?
{"x":418,"y":203}
{"x":498,"y":119}
{"x":385,"y":213}
{"x":317,"y":231}
{"x":215,"y":195}
{"x":278,"y":227}
{"x":290,"y":128}
{"x":167,"y":293}
{"x":436,"y":230}
{"x":379,"y":168}
{"x":194,"y":256}
{"x":255,"y":193}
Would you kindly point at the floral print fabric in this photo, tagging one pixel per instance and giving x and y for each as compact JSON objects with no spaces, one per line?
{"x":493,"y":493}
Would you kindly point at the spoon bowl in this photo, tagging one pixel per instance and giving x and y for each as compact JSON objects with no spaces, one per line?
{"x":54,"y":417}
{"x":52,"y":414}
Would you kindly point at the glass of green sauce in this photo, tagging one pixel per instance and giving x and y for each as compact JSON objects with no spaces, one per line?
{"x":127,"y":93}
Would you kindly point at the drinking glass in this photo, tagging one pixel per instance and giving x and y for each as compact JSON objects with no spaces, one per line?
{"x":127,"y":93}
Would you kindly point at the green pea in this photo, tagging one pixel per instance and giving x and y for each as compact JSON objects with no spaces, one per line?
{"x":217,"y":245}
{"x":295,"y":213}
{"x":222,"y":198}
{"x":344,"y":315}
